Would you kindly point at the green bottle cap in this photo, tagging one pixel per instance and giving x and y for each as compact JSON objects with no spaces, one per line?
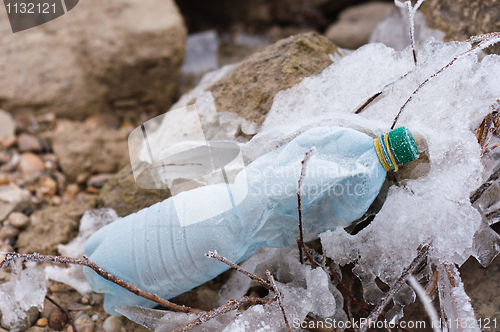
{"x":402,"y":145}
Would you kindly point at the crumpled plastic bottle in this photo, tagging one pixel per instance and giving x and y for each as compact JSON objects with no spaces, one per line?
{"x":157,"y":254}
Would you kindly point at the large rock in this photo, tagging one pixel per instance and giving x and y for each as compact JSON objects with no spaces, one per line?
{"x":355,"y":24}
{"x":125,"y":197}
{"x":461,"y":19}
{"x":54,"y":225}
{"x":102,"y":55}
{"x":249,"y":90}
{"x":88,"y":148}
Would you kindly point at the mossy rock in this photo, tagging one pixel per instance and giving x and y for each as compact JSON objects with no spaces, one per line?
{"x":461,"y":19}
{"x":250,"y":89}
{"x":122,"y":194}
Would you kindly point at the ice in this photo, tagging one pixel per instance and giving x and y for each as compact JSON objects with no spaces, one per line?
{"x":18,"y":296}
{"x":167,"y":321}
{"x":394,"y":30}
{"x":201,"y":53}
{"x":433,"y":207}
{"x":73,"y":276}
{"x":455,"y":302}
{"x":303,"y":289}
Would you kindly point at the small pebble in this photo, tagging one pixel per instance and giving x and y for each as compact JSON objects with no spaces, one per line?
{"x":30,"y":163}
{"x":95,"y":317}
{"x":8,"y":231}
{"x":56,"y":200}
{"x":85,"y":300}
{"x":3,"y":179}
{"x":4,"y":157}
{"x":92,"y":190}
{"x":42,"y":322}
{"x":27,"y":142}
{"x":57,"y":320}
{"x":72,"y":190}
{"x":47,"y":187}
{"x":18,"y":220}
{"x":112,"y":324}
{"x":98,"y":181}
{"x":7,"y":141}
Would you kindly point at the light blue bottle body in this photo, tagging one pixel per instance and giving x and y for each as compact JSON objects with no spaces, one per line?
{"x":151,"y":249}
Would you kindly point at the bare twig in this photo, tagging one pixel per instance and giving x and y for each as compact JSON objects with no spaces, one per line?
{"x":213,"y":254}
{"x":230,"y":306}
{"x":300,"y":242}
{"x":64,"y":311}
{"x":342,"y":285}
{"x":85,"y":261}
{"x":278,"y":296}
{"x":485,"y":40}
{"x":375,"y":314}
{"x":426,"y":301}
{"x":431,"y":285}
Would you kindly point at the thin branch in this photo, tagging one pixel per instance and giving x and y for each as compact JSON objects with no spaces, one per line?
{"x":426,"y":301}
{"x":85,"y":261}
{"x":431,"y":286}
{"x":213,"y":254}
{"x":230,"y":306}
{"x":375,"y":314}
{"x":342,"y":285}
{"x":300,"y":242}
{"x":278,"y":296}
{"x":485,"y":41}
{"x":480,"y":191}
{"x":64,"y":311}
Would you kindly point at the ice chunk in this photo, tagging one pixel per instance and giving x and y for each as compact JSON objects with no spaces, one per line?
{"x":201,"y":53}
{"x":18,"y":296}
{"x":394,"y":30}
{"x":73,"y":276}
{"x":304,"y":290}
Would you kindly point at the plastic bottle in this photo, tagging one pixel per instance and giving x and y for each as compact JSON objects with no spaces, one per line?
{"x":154,"y":252}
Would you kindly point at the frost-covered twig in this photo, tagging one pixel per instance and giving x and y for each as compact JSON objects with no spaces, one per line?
{"x":431,"y":285}
{"x":300,"y":242}
{"x":213,"y":254}
{"x":480,"y":191}
{"x":230,"y":306}
{"x":278,"y":296}
{"x":411,"y":13}
{"x":64,"y":311}
{"x":85,"y":261}
{"x":426,"y":301}
{"x":485,"y":41}
{"x":375,"y":314}
{"x":455,"y":304}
